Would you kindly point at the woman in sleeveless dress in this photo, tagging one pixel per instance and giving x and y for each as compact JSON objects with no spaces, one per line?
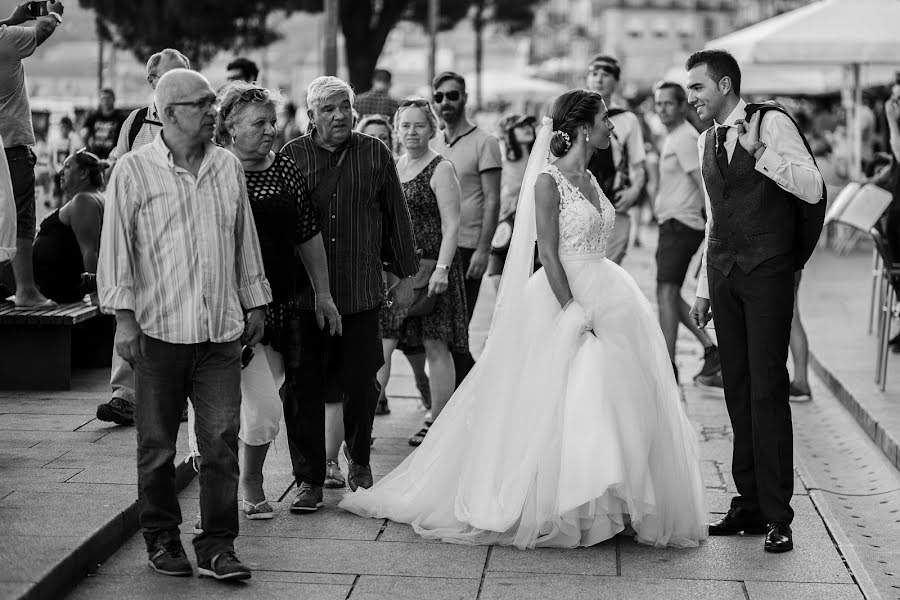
{"x":432,"y":194}
{"x":570,"y":429}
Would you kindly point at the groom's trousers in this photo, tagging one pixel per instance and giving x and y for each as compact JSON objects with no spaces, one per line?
{"x":752,"y":314}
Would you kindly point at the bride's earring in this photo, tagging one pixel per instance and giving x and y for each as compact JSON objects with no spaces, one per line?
{"x":587,"y":136}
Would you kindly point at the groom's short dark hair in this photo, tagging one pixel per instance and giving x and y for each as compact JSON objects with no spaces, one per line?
{"x":719,"y":64}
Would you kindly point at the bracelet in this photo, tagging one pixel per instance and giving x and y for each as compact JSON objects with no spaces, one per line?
{"x":444,"y":267}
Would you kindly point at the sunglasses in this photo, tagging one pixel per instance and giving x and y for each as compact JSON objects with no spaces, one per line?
{"x":422,"y":103}
{"x":452,"y":96}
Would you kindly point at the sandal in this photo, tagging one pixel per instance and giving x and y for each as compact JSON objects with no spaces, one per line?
{"x":419,"y":437}
{"x":333,"y":476}
{"x":259,"y":511}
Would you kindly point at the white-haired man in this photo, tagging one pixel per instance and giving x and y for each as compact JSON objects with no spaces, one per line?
{"x":180,"y":262}
{"x":366,"y":227}
{"x":139,"y":129}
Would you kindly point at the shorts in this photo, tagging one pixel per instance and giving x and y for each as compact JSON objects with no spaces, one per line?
{"x":677,"y":245}
{"x":21,"y":169}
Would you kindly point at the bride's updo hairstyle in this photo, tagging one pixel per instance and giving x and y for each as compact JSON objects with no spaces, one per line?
{"x":571,"y":110}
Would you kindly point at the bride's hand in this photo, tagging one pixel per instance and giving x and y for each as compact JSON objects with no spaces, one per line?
{"x":578,"y":312}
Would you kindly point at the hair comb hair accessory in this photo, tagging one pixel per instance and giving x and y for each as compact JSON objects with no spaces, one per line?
{"x":564,"y":136}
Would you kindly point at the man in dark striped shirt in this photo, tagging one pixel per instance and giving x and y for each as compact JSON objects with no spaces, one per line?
{"x":366,"y":228}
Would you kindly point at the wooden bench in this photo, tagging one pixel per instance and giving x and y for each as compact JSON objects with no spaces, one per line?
{"x":39,"y":346}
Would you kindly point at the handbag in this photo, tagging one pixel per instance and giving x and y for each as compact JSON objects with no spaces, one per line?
{"x":422,"y":303}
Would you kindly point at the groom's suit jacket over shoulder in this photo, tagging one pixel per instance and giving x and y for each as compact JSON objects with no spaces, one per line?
{"x":751,"y":203}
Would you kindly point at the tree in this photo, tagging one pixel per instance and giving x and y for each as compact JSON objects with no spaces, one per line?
{"x":199,"y":28}
{"x":366,"y":24}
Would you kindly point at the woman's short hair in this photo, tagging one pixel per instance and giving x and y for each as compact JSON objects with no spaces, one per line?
{"x":322,"y":88}
{"x":91,"y":164}
{"x":571,"y":110}
{"x":376,"y":120}
{"x":423,"y":105}
{"x":234,"y":98}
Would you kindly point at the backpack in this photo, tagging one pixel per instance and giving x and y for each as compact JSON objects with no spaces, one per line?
{"x":809,"y":218}
{"x":602,"y":163}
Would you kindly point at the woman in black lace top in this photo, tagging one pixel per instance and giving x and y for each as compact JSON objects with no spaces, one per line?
{"x":286,"y":222}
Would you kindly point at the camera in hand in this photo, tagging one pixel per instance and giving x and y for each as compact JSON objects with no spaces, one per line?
{"x":37,"y":8}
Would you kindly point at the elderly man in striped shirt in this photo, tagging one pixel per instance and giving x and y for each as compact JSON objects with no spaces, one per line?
{"x":179,"y":259}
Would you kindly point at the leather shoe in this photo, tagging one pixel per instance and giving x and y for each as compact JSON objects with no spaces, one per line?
{"x":780,"y":538}
{"x":358,"y":476}
{"x":739,"y":520}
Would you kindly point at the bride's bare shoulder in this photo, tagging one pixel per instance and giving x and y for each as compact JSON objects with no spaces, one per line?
{"x":545,"y":190}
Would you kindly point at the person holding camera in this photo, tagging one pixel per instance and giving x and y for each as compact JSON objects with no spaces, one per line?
{"x":18,"y":42}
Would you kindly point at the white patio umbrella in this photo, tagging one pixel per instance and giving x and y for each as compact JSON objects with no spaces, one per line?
{"x":848,"y":34}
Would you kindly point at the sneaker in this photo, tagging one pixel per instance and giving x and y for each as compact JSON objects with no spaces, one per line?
{"x":224,"y":566}
{"x":168,"y":557}
{"x":712,"y":363}
{"x":710,"y":383}
{"x":800,"y":394}
{"x":333,"y":476}
{"x":358,"y":476}
{"x":309,"y":498}
{"x":257,"y":512}
{"x":118,"y":411}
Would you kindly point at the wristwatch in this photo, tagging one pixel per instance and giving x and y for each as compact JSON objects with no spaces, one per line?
{"x":760,"y":145}
{"x":444,"y":267}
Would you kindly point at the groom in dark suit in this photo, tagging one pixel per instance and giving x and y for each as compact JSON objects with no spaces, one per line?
{"x":756,"y":174}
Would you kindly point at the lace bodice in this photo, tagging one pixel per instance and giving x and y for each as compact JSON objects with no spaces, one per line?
{"x":582,"y":228}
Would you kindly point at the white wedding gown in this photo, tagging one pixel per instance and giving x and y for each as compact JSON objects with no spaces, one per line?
{"x":559,"y":437}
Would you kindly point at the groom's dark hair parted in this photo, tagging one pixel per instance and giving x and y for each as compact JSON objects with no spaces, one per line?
{"x":571,"y":110}
{"x":719,"y":64}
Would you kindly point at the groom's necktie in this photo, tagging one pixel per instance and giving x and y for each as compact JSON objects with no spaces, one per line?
{"x":721,"y":152}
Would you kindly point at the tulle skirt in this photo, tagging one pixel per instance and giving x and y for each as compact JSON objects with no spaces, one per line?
{"x":558,"y":438}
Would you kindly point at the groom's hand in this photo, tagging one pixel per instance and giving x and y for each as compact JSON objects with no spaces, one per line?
{"x":748,"y":133}
{"x":700,"y":312}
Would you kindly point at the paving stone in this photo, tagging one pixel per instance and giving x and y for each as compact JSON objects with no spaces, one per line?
{"x":372,"y":587}
{"x":579,"y":587}
{"x":49,"y":406}
{"x":11,"y":438}
{"x":401,"y":532}
{"x":596,"y":560}
{"x":28,"y":457}
{"x":16,"y":478}
{"x":110,"y":473}
{"x":13,"y":589}
{"x":153,"y":585}
{"x":120,"y":496}
{"x":29,"y":557}
{"x":765,"y":590}
{"x":42,"y":422}
{"x":300,"y":577}
{"x":75,"y":520}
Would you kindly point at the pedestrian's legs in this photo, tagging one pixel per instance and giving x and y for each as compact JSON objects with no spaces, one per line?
{"x":728,"y":309}
{"x":334,"y":429}
{"x":417,"y":362}
{"x":463,"y":361}
{"x":617,"y":245}
{"x":161,"y":386}
{"x":305,"y":389}
{"x":769,"y":297}
{"x":440,"y":363}
{"x":216,"y":396}
{"x":799,"y":343}
{"x":21,"y":170}
{"x":668,"y":295}
{"x":260,"y":417}
{"x":121,"y":378}
{"x":360,"y":358}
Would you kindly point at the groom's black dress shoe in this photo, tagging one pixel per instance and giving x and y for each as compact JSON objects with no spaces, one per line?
{"x":779,"y":538}
{"x":739,"y":520}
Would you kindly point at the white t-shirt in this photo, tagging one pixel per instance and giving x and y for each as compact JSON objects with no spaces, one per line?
{"x":678,"y":196}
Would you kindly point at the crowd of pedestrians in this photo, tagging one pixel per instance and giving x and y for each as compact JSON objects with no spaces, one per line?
{"x":260,"y":273}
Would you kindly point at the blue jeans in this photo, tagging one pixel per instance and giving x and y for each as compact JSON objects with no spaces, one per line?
{"x":210,"y":374}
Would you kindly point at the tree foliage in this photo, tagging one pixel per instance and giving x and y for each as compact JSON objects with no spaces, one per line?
{"x":200,"y":28}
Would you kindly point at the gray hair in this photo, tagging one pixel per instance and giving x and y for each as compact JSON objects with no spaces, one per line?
{"x":237,"y":96}
{"x":170,"y":86}
{"x":325,"y":87}
{"x":154,"y":60}
{"x":423,"y":105}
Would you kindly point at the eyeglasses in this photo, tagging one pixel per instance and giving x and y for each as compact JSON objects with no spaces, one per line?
{"x":91,"y":155}
{"x":420,"y":102}
{"x":452,"y":96}
{"x":201,"y":104}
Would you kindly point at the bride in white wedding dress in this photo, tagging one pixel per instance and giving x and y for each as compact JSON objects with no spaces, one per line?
{"x":570,"y":427}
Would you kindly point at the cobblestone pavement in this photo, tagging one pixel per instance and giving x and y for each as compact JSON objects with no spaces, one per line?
{"x":333,"y":554}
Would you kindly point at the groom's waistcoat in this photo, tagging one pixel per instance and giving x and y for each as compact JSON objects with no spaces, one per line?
{"x":752,"y":219}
